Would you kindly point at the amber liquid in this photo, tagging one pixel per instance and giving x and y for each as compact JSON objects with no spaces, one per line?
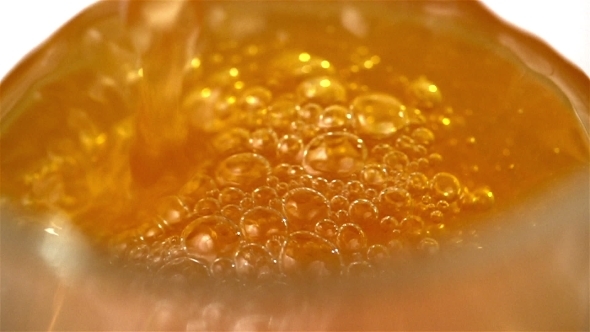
{"x":303,"y":149}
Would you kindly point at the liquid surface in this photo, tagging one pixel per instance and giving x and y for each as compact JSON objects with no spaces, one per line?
{"x":301,"y":148}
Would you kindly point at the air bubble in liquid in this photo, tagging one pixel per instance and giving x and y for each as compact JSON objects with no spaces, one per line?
{"x":209,"y":237}
{"x":207,"y":206}
{"x":338,"y":154}
{"x":363,"y":213}
{"x":259,"y":224}
{"x":171,"y":210}
{"x":290,"y":149}
{"x":379,"y":115}
{"x":323,"y":90}
{"x":263,"y":195}
{"x":351,"y":238}
{"x":306,"y":254}
{"x":264,"y":141}
{"x":445,"y":186}
{"x":304,"y":207}
{"x":335,"y":118}
{"x":396,"y":160}
{"x":243,"y":170}
{"x":231,"y":195}
{"x":253,"y":261}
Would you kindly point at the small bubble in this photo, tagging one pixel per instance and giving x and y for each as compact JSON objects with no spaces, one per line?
{"x":405,"y":143}
{"x":290,"y":149}
{"x":264,"y":141}
{"x":261,"y":223}
{"x":335,"y":118}
{"x":255,"y":98}
{"x":425,"y":93}
{"x":363,"y":213}
{"x":412,"y":225}
{"x":306,"y":254}
{"x":423,"y":136}
{"x":378,"y":255}
{"x":231,"y":195}
{"x":243,"y":170}
{"x":323,"y":90}
{"x":320,"y":184}
{"x":445,"y":186}
{"x":355,"y":189}
{"x":171,"y":210}
{"x":436,"y":216}
{"x":274,"y":245}
{"x":396,"y":160}
{"x":223,"y":269}
{"x":428,"y":246}
{"x":327,"y":229}
{"x":309,"y":112}
{"x":417,"y":183}
{"x":197,"y":187}
{"x":380,"y":150}
{"x":359,"y":269}
{"x":304,"y":207}
{"x":392,"y":199}
{"x":435,"y":159}
{"x":206,"y":206}
{"x":336,"y":187}
{"x":209,"y":237}
{"x":183,"y":270}
{"x":336,"y":154}
{"x":379,"y":115}
{"x":339,"y":202}
{"x":263,"y":195}
{"x":340,"y":217}
{"x":351,"y":238}
{"x":281,"y":113}
{"x":282,"y":188}
{"x":480,"y":199}
{"x":374,"y":175}
{"x":253,"y":261}
{"x":232,"y":141}
{"x":233,"y":212}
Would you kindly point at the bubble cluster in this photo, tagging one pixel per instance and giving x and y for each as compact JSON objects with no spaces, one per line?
{"x":303,"y":170}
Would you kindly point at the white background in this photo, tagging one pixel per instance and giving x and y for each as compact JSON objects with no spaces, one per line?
{"x":564,"y":24}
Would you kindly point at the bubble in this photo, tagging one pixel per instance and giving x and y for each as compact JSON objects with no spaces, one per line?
{"x":263,"y":195}
{"x":412,"y":225}
{"x":231,"y":195}
{"x":378,"y":255}
{"x":232,"y":212}
{"x":405,"y":143}
{"x":309,"y":113}
{"x":480,"y":199}
{"x":246,"y":203}
{"x":445,"y":186}
{"x":304,"y":130}
{"x":428,"y":246}
{"x":374,"y":175}
{"x":340,"y":217}
{"x":207,"y":206}
{"x":264,"y":141}
{"x":223,"y":269}
{"x":290,"y":149}
{"x":255,"y":98}
{"x":338,"y":154}
{"x":282,"y":188}
{"x":396,"y":160}
{"x":351,"y":238}
{"x":304,"y":207}
{"x":261,"y":223}
{"x":183,"y":270}
{"x":423,"y":136}
{"x":323,"y":90}
{"x":335,"y":118}
{"x":425,"y":93}
{"x":243,"y":170}
{"x":308,"y":255}
{"x":306,"y":180}
{"x":281,"y":113}
{"x":435,"y":159}
{"x":392,"y":199}
{"x":232,"y":141}
{"x":198,"y":186}
{"x":417,"y":183}
{"x":359,"y":269}
{"x":171,"y":210}
{"x":335,"y":187}
{"x":436,"y":216}
{"x":355,"y":189}
{"x":253,"y":261}
{"x":339,"y":202}
{"x":209,"y":237}
{"x":363,"y":213}
{"x":380,"y":150}
{"x":327,"y":229}
{"x":379,"y":115}
{"x":274,"y":245}
{"x":320,"y":184}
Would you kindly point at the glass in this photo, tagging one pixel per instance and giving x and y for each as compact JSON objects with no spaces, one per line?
{"x":530,"y":273}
